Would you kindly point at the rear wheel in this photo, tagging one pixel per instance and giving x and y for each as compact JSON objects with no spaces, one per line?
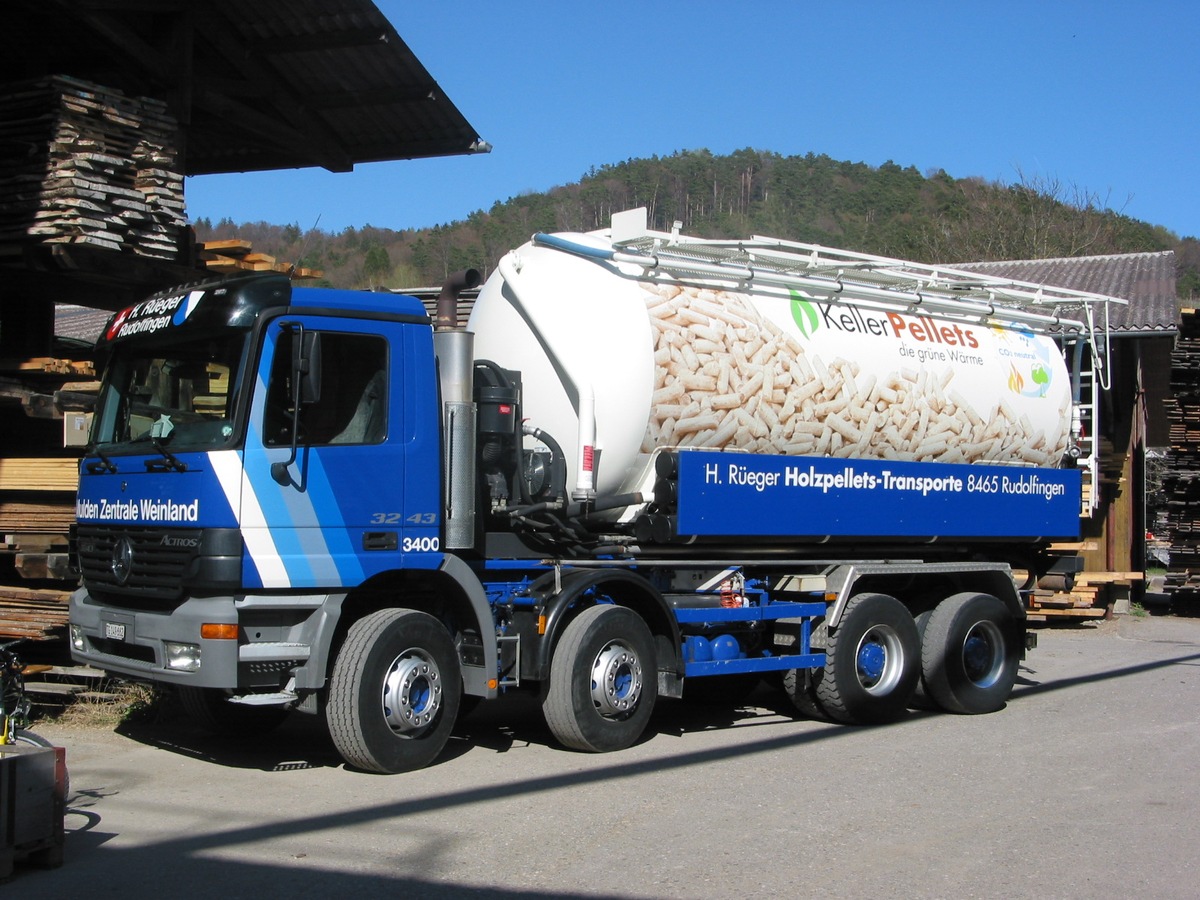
{"x":970,"y":653}
{"x":603,"y":680}
{"x":920,"y":697}
{"x":394,"y":693}
{"x":800,"y":687}
{"x":872,"y":662}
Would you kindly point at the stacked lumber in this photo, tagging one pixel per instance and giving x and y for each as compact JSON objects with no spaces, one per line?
{"x":37,"y":508}
{"x":49,"y":365}
{"x":1179,"y":522}
{"x":231,"y":256}
{"x":1092,"y":595}
{"x":33,"y":614}
{"x":85,"y":164}
{"x":18,"y":516}
{"x":39,"y":474}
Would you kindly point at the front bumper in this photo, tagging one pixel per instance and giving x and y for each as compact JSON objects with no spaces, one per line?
{"x":275,"y":640}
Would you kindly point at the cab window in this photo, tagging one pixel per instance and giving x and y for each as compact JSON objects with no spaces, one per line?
{"x":352,"y":405}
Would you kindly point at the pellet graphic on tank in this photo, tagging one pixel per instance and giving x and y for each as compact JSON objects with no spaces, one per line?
{"x":676,"y":362}
{"x":728,"y":378}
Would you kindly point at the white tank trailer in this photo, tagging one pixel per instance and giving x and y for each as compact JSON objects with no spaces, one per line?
{"x":629,"y":349}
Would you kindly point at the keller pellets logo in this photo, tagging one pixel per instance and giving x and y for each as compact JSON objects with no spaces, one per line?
{"x":805,"y":315}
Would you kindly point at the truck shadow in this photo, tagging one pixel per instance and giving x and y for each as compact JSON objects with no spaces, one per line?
{"x":510,"y":722}
{"x":515,"y":721}
{"x":301,"y":742}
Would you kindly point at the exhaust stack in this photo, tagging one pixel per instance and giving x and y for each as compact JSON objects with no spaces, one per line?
{"x":454,"y":347}
{"x":446,"y":318}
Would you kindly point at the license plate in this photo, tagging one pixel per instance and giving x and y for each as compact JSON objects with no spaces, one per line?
{"x":114,"y":631}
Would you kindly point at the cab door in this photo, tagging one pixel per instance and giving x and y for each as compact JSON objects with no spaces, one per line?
{"x":359,"y":494}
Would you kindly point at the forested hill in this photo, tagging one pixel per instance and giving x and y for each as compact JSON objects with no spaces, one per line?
{"x":888,"y":210}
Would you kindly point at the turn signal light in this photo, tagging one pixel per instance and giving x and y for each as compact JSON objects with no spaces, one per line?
{"x":217,"y":631}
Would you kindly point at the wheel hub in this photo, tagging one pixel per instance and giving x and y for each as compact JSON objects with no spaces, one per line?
{"x":879,"y":660}
{"x":616,"y":680}
{"x":412,"y":692}
{"x":871,"y":662}
{"x":982,"y":653}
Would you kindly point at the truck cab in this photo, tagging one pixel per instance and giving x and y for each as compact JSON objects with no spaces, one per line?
{"x":260,"y":454}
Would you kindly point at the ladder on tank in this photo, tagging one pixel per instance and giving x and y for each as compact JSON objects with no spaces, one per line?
{"x":1087,"y":429}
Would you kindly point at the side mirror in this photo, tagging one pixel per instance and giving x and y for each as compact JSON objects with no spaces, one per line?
{"x":306,"y":388}
{"x":306,"y":365}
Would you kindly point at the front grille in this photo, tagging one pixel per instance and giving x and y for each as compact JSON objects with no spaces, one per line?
{"x":158,"y":560}
{"x":123,"y":650}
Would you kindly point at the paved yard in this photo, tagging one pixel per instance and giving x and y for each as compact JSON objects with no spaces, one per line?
{"x":1086,"y":785}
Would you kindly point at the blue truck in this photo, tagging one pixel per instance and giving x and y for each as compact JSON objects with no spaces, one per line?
{"x":647,"y":460}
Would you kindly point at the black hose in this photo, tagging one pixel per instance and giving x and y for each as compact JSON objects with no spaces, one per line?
{"x":609,"y":501}
{"x":558,"y":463}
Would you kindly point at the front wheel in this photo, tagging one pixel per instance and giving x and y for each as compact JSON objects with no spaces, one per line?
{"x":872,"y":662}
{"x":28,"y":737}
{"x":603,"y":680}
{"x":970,"y":654}
{"x":213,"y":711}
{"x":394,"y":693}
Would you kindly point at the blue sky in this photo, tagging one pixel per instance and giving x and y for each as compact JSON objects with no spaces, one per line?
{"x":1101,"y":98}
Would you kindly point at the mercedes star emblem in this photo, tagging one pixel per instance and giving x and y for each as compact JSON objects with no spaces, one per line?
{"x":122,"y":560}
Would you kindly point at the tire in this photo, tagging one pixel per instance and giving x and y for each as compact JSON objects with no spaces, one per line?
{"x":211,"y":710}
{"x":920,"y":697}
{"x":970,"y":654}
{"x":798,"y":684}
{"x":28,"y":737}
{"x":603,"y":681}
{"x":872,"y":662}
{"x":394,"y":693}
{"x":36,"y":740}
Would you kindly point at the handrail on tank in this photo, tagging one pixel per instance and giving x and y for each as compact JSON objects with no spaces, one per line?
{"x":842,"y":284}
{"x":809,"y":271}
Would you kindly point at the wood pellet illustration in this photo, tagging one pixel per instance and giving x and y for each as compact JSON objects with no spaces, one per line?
{"x":727,"y":378}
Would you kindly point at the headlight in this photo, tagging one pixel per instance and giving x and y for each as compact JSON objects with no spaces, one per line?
{"x":77,"y":641}
{"x":183,"y":657}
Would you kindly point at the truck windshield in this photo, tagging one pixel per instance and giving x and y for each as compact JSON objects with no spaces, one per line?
{"x":181,"y":393}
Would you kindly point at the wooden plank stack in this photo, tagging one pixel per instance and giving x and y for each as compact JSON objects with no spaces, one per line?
{"x":1179,"y":523}
{"x":37,"y":507}
{"x":39,"y":474}
{"x":232,"y":256}
{"x":85,"y":164}
{"x":1093,"y":595}
{"x":38,"y":614}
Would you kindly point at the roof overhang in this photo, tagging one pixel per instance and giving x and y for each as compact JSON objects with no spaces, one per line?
{"x":268,"y":84}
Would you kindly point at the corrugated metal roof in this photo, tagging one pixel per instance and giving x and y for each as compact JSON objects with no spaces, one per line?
{"x":1146,"y":280}
{"x":254,"y":84}
{"x":79,"y":323}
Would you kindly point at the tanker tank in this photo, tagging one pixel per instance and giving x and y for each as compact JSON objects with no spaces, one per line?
{"x":701,"y":363}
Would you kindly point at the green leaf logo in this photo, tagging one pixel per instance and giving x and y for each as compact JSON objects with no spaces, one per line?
{"x":804,"y":314}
